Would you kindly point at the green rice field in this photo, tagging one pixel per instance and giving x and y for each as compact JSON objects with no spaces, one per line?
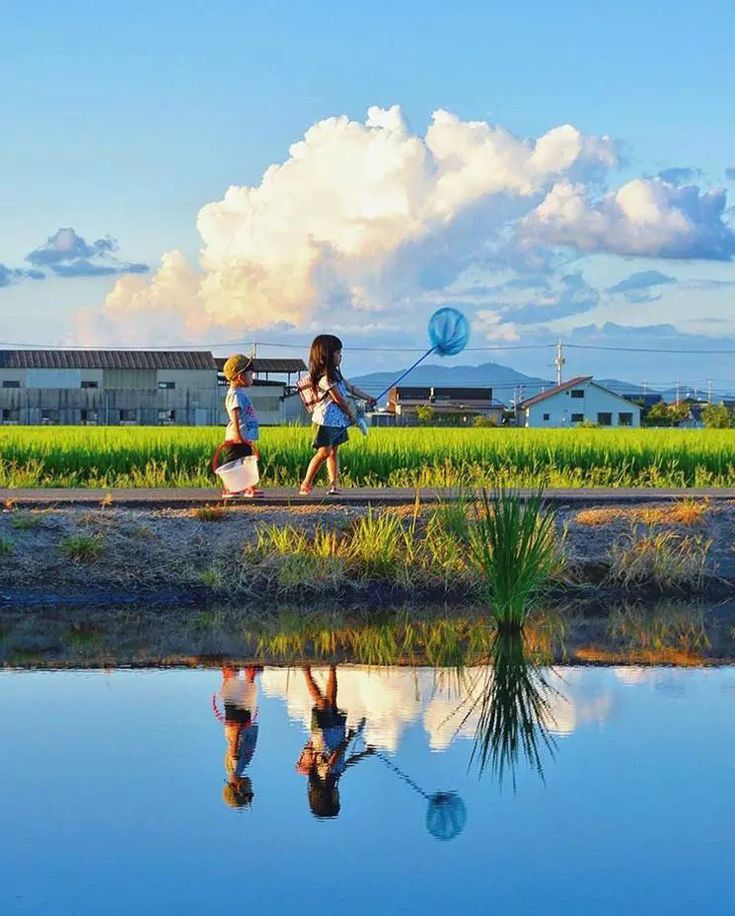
{"x":177,"y":457}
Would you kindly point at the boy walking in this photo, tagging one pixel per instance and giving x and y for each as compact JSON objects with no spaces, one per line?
{"x":242,"y":431}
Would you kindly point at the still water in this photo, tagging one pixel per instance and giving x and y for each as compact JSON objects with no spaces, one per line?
{"x":357,"y":790}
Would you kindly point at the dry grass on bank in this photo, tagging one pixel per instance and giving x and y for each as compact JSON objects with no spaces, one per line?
{"x":687,"y":513}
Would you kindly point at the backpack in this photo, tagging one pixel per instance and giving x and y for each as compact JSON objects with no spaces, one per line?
{"x":310,"y":397}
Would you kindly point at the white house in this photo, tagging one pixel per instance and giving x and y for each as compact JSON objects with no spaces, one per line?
{"x":576,"y":401}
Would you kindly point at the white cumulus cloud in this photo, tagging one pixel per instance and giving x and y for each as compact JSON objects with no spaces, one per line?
{"x":647,"y":217}
{"x":362,"y":215}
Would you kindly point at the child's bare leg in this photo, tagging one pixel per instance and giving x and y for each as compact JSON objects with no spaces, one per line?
{"x":313,"y":687}
{"x":333,"y":465}
{"x":314,"y":465}
{"x":331,"y":691}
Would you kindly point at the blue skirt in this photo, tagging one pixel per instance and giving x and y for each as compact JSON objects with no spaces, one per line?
{"x":329,"y":436}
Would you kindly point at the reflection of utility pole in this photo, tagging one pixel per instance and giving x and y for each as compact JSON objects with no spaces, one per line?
{"x":559,"y":360}
{"x":677,"y":394}
{"x":709,"y":390}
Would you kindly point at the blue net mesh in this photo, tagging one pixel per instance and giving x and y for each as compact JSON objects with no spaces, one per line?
{"x":446,"y":816}
{"x":449,"y":331}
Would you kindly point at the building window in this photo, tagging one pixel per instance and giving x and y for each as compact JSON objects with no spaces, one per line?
{"x":11,"y":383}
{"x":547,"y":416}
{"x":625,"y":419}
{"x":166,"y":417}
{"x":89,"y":418}
{"x":577,"y":392}
{"x":49,"y":417}
{"x":90,"y":384}
{"x":167,"y":385}
{"x":129,"y":416}
{"x":604,"y":419}
{"x":577,"y":418}
{"x":11,"y":415}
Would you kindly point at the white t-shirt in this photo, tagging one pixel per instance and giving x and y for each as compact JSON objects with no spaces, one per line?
{"x":236,"y":397}
{"x":238,"y":691}
{"x":326,"y":412}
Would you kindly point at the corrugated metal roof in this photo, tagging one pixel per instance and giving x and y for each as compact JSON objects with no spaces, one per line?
{"x":264,"y":364}
{"x":550,"y":392}
{"x":106,"y":359}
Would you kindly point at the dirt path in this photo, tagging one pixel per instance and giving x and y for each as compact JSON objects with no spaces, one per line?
{"x":189,"y":497}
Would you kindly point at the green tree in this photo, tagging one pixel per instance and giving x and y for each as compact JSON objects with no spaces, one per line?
{"x":425,"y":414}
{"x":480,"y":422}
{"x":659,"y":415}
{"x":718,"y":416}
{"x":662,"y":414}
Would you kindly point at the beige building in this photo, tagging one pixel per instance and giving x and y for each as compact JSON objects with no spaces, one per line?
{"x":129,"y":388}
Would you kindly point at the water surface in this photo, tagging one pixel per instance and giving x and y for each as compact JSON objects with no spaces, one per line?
{"x":114,"y":794}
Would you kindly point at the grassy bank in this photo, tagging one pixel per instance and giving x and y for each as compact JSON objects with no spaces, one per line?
{"x":439,"y":635}
{"x":176,"y":457}
{"x":320,"y":554}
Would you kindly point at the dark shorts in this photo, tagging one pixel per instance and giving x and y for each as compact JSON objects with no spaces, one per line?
{"x":232,"y":452}
{"x":237,"y":714}
{"x":327,"y":717}
{"x":329,"y":436}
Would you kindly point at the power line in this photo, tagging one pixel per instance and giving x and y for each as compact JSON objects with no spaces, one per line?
{"x":243,"y":342}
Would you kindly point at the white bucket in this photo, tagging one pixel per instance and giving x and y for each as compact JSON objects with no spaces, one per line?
{"x":239,"y":474}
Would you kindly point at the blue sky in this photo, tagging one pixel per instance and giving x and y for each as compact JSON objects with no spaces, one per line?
{"x":124,"y":121}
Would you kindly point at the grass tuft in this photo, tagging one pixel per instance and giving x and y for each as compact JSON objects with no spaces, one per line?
{"x":664,"y":558}
{"x":210,"y":513}
{"x":82,"y":548}
{"x":513,"y":545}
{"x":6,"y":546}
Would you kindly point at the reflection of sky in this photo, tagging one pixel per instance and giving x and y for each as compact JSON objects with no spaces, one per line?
{"x":392,"y":699}
{"x":110,"y":801}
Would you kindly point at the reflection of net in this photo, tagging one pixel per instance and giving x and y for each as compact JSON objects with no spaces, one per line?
{"x":446,"y":814}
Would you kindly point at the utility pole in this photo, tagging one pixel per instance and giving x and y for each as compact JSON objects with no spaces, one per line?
{"x":559,"y":360}
{"x":253,"y":350}
{"x":677,"y":394}
{"x":644,"y":385}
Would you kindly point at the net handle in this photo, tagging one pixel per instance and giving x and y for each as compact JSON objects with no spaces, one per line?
{"x":404,"y":374}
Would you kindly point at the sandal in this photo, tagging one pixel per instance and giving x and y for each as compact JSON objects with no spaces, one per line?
{"x":305,"y":489}
{"x":334,"y":490}
{"x":252,"y":493}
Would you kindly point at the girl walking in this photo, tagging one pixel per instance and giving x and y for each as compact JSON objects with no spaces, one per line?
{"x":333,"y":412}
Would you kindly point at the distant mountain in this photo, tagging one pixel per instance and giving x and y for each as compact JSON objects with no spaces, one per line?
{"x":506,"y":383}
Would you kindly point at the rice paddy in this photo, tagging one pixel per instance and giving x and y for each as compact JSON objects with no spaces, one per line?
{"x":179,"y":457}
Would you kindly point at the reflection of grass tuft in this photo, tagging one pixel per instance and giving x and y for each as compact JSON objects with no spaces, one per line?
{"x":6,"y":546}
{"x":663,"y":628}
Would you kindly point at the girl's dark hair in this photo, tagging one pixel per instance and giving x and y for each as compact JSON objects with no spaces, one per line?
{"x":323,"y":796}
{"x":321,"y":358}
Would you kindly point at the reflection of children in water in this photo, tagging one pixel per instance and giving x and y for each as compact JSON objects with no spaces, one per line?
{"x":324,"y":757}
{"x":240,"y":695}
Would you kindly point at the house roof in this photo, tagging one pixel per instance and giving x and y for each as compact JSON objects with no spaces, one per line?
{"x":440,"y":393}
{"x":106,"y":359}
{"x":261,"y":364}
{"x":550,"y":392}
